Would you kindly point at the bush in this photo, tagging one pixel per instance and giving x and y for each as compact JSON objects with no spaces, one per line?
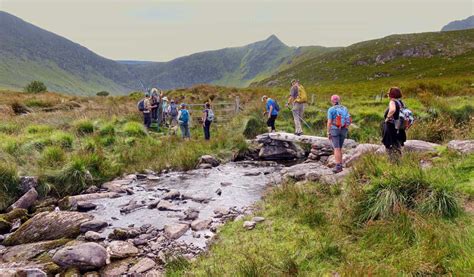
{"x":36,"y":87}
{"x":107,"y":129}
{"x":255,"y":126}
{"x":73,"y":179}
{"x":35,"y":129}
{"x":52,"y":156}
{"x":103,"y":93}
{"x":9,"y":179}
{"x":84,"y":127}
{"x":134,"y":129}
{"x":62,"y":139}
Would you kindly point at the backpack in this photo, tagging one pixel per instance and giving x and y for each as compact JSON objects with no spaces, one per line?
{"x":302,"y":96}
{"x":210,"y":115}
{"x":184,"y":118}
{"x":276,"y":106}
{"x":405,"y":117}
{"x":141,"y":105}
{"x":343,"y":118}
{"x":173,"y":109}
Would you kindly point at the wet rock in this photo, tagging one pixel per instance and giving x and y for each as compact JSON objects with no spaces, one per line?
{"x":131,"y":206}
{"x":93,"y":236}
{"x":143,"y":264}
{"x":462,"y":146}
{"x":25,"y":201}
{"x":84,"y":256}
{"x":118,"y":186}
{"x":154,"y":273}
{"x":420,"y":146}
{"x":122,"y":249}
{"x":2,"y":237}
{"x":117,"y":268}
{"x":153,"y":204}
{"x":71,"y":201}
{"x":49,"y":226}
{"x":280,"y":150}
{"x":208,"y":159}
{"x":219,"y":212}
{"x":249,"y":225}
{"x":139,"y":242}
{"x":191,"y":214}
{"x":172,"y":194}
{"x":92,"y":189}
{"x":7,"y":220}
{"x":27,"y":183}
{"x":141,"y":176}
{"x":165,"y":206}
{"x":205,"y":166}
{"x":176,"y":230}
{"x":305,"y":171}
{"x":258,"y":219}
{"x":26,"y":252}
{"x":123,"y":234}
{"x":85,"y":206}
{"x":200,"y":224}
{"x":226,"y":184}
{"x":93,"y":225}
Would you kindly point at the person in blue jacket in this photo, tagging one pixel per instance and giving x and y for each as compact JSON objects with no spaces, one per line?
{"x":271,"y":111}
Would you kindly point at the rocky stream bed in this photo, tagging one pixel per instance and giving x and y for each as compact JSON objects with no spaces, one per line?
{"x":135,"y":224}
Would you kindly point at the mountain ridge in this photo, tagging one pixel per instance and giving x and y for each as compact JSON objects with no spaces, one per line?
{"x":456,"y":25}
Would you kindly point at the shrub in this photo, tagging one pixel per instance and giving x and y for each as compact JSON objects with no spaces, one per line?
{"x":36,"y":87}
{"x":103,"y":93}
{"x":107,"y":129}
{"x":84,"y":127}
{"x":9,"y":179}
{"x":73,"y":179}
{"x":52,"y":156}
{"x":35,"y":129}
{"x":255,"y":126}
{"x":38,"y":103}
{"x":134,"y":129}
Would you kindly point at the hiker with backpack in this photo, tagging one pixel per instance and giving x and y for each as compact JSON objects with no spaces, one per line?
{"x":183,"y":120}
{"x":207,"y":119}
{"x":297,"y":99}
{"x":271,"y":111}
{"x":338,"y":122}
{"x":173,"y":112}
{"x":164,"y":108}
{"x":397,"y":119}
{"x":154,"y":104}
{"x":145,"y":107}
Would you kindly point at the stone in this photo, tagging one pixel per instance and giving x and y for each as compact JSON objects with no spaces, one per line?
{"x":19,"y":271}
{"x":7,"y":220}
{"x":219,"y":212}
{"x":141,"y":176}
{"x":280,"y":150}
{"x":27,"y":183}
{"x":258,"y":219}
{"x":175,"y":231}
{"x":462,"y":146}
{"x":139,"y":242}
{"x":249,"y":225}
{"x":305,"y":171}
{"x":92,"y":189}
{"x":84,"y":256}
{"x":93,"y":225}
{"x":26,"y":252}
{"x":86,"y":206}
{"x":49,"y":226}
{"x":123,"y":234}
{"x":172,"y":194}
{"x":200,"y":224}
{"x":226,"y":184}
{"x":191,"y":214}
{"x":71,"y":201}
{"x":208,"y":159}
{"x":143,"y":265}
{"x":205,"y":166}
{"x":154,"y":273}
{"x":165,"y":206}
{"x":117,"y":186}
{"x":117,"y":268}
{"x":93,"y":236}
{"x":91,"y":274}
{"x":122,"y":249}
{"x":359,"y":151}
{"x":26,"y":201}
{"x":420,"y":146}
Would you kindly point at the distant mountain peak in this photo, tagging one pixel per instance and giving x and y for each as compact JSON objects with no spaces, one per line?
{"x":467,"y":23}
{"x":274,"y":39}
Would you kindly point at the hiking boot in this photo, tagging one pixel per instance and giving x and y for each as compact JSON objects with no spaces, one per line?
{"x":337,"y":169}
{"x":299,"y":134}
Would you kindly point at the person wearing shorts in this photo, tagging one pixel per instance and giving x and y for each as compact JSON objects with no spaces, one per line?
{"x":336,"y":134}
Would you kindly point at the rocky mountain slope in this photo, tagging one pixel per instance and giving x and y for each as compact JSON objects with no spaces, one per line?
{"x":464,"y":24}
{"x":395,"y":57}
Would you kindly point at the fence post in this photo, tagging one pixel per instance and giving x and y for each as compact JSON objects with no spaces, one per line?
{"x":312,"y":99}
{"x":237,"y":104}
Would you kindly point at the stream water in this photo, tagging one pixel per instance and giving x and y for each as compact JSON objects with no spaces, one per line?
{"x":241,"y":184}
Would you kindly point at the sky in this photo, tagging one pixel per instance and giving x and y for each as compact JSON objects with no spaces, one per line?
{"x":163,"y":30}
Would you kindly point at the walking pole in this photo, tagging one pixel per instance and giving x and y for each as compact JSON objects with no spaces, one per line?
{"x":301,"y":119}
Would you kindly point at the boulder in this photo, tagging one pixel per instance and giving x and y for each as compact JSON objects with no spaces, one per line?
{"x":191,"y":214}
{"x":200,"y":224}
{"x":84,"y":256}
{"x":258,"y":219}
{"x":164,"y":205}
{"x":359,"y":151}
{"x":25,"y":201}
{"x":26,"y":252}
{"x":208,"y":159}
{"x":420,"y":146}
{"x":205,"y":166}
{"x":71,"y":201}
{"x":49,"y":226}
{"x":20,"y":271}
{"x":7,"y":220}
{"x":280,"y":150}
{"x":93,"y":236}
{"x":118,"y":186}
{"x":122,"y":249}
{"x":85,"y":206}
{"x":305,"y":171}
{"x":92,"y":225}
{"x":249,"y":225}
{"x":154,"y":273}
{"x":462,"y":146}
{"x":172,"y":194}
{"x":116,"y":268}
{"x":144,"y":264}
{"x":176,"y":230}
{"x":27,"y":183}
{"x":124,"y":233}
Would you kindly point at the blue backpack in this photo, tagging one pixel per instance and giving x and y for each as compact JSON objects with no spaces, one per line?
{"x":141,"y":105}
{"x":343,"y":118}
{"x":184,"y":116}
{"x":276,"y":106}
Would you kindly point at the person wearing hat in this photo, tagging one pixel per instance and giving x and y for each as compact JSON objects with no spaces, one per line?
{"x":271,"y":111}
{"x":339,"y":120}
{"x":183,"y":119}
{"x":297,"y":99}
{"x":172,"y":113}
{"x":147,"y":110}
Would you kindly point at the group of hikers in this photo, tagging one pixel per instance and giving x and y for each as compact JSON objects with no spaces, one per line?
{"x":168,"y":113}
{"x":397,"y":119}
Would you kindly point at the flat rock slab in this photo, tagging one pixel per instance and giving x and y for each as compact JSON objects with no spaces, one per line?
{"x":323,"y":141}
{"x":122,"y":249}
{"x":26,"y":252}
{"x":25,"y":201}
{"x":84,"y":256}
{"x":200,"y":224}
{"x":144,"y":264}
{"x":420,"y":146}
{"x":49,"y":226}
{"x":93,"y":225}
{"x":462,"y":146}
{"x":117,"y":268}
{"x":176,"y":230}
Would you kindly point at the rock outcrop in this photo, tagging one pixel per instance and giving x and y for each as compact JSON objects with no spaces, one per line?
{"x":271,"y":149}
{"x":84,"y":256}
{"x":26,"y":201}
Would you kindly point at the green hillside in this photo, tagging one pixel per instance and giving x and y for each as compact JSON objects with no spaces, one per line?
{"x":410,"y":56}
